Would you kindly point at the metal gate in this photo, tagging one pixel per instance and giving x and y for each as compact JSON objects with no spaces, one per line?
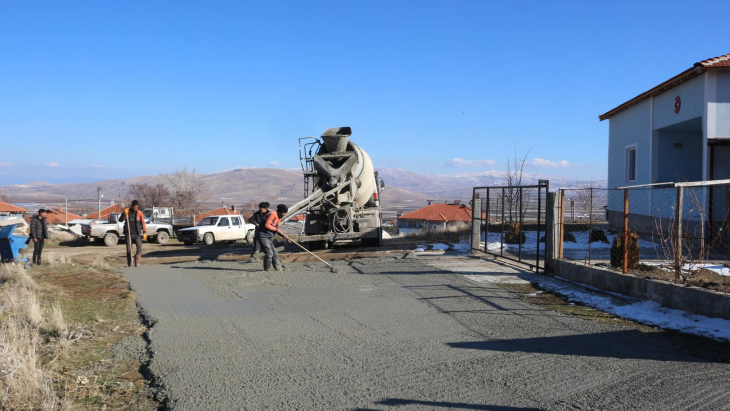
{"x":509,"y":222}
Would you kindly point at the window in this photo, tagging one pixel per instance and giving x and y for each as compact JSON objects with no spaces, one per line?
{"x":631,"y":164}
{"x":224,"y":222}
{"x":235,"y":221}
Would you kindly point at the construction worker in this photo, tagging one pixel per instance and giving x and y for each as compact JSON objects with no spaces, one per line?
{"x":39,"y":234}
{"x":258,"y":219}
{"x":266,"y":235}
{"x":138,"y":228}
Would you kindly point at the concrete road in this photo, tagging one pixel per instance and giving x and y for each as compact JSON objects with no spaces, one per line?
{"x":393,"y":333}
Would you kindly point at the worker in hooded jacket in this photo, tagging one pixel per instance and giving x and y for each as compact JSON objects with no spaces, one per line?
{"x":266,"y":235}
{"x":258,"y":219}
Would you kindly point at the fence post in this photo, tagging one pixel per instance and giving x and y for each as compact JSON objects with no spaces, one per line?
{"x":486,"y":230}
{"x":476,"y":223}
{"x":626,"y":231}
{"x":590,"y":225}
{"x":553,"y":228}
{"x":678,"y":234}
{"x":562,"y":222}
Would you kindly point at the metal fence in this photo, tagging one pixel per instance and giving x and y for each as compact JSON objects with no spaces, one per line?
{"x":675,"y":231}
{"x":509,"y":222}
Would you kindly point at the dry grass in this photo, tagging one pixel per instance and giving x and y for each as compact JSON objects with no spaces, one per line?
{"x":24,"y":381}
{"x":57,"y":237}
{"x":57,"y":259}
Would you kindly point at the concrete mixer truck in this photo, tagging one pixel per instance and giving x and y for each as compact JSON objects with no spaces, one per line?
{"x":341,"y":190}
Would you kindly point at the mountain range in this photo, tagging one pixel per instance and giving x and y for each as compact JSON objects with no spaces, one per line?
{"x":249,"y":185}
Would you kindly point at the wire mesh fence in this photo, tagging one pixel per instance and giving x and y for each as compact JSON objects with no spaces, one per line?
{"x":676,"y":232}
{"x":509,"y":222}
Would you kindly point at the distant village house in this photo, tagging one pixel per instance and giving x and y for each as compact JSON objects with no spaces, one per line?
{"x":434,"y":216}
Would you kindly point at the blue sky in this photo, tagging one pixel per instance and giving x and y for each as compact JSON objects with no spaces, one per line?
{"x":93,"y":90}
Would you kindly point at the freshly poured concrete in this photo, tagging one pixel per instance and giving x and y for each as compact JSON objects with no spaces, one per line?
{"x":394,"y":333}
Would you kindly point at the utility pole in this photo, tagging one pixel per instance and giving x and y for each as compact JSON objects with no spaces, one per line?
{"x":66,"y":209}
{"x":98,"y":190}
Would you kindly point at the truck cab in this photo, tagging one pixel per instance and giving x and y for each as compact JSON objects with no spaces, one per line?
{"x":218,"y":228}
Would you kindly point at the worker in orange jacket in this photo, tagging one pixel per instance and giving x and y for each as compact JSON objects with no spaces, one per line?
{"x":266,"y":235}
{"x":138,"y":228}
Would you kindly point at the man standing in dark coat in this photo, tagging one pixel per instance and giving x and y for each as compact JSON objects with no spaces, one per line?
{"x":39,"y":234}
{"x":258,"y":219}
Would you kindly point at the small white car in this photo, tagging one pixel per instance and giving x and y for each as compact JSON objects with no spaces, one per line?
{"x":218,"y":228}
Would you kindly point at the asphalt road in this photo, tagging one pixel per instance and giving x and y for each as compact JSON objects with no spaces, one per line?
{"x":389,"y":333}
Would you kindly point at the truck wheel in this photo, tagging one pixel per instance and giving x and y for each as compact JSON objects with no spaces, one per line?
{"x":249,"y":237}
{"x":313,"y":245}
{"x":111,"y":239}
{"x":208,"y":239}
{"x":377,"y":242}
{"x":162,"y":237}
{"x":188,"y":242}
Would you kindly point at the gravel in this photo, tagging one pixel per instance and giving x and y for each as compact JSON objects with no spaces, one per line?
{"x":395,"y":332}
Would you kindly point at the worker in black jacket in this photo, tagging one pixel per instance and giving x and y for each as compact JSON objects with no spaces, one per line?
{"x":258,"y":219}
{"x":39,"y":234}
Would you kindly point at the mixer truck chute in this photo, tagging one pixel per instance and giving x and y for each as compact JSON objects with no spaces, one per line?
{"x":344,"y":203}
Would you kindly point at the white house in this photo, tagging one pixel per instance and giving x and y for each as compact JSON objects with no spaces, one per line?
{"x":10,"y":211}
{"x":677,"y":131}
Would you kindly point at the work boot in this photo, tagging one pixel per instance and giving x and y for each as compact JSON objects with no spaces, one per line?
{"x":137,"y":259}
{"x":267,"y":264}
{"x":278,"y":266}
{"x":254,"y":259}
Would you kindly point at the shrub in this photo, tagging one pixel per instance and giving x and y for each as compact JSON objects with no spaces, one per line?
{"x":568,"y":237}
{"x":515,"y":235}
{"x":617,"y":251}
{"x":598,"y":236}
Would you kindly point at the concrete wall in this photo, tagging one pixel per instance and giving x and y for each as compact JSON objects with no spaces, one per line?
{"x":692,"y":94}
{"x":722,"y":105}
{"x":632,"y":126}
{"x":695,"y":300}
{"x":679,"y":164}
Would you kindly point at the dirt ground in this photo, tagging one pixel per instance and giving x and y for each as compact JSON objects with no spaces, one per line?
{"x":176,"y":252}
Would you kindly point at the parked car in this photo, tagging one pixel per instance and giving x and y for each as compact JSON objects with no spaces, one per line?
{"x":219,"y":228}
{"x":108,"y":232}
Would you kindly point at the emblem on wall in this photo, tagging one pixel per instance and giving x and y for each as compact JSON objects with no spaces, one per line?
{"x":677,"y":104}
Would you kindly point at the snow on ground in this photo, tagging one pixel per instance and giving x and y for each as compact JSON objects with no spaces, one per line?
{"x":720,"y":269}
{"x":581,"y":241}
{"x":420,"y":248}
{"x":385,"y":235}
{"x":648,"y":312}
{"x":439,"y":246}
{"x":463,"y":247}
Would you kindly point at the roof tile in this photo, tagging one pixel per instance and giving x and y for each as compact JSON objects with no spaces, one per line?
{"x":9,"y":208}
{"x":440,"y":212}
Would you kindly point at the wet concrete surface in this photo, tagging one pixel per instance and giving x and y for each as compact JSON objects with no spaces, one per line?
{"x":395,"y":333}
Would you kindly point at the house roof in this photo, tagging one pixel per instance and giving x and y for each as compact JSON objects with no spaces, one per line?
{"x":116,"y":208}
{"x":692,"y":72}
{"x":56,"y":216}
{"x":217,"y":211}
{"x":9,"y":208}
{"x":440,"y":212}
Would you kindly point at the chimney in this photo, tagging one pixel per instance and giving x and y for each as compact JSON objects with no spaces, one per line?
{"x":457,"y":202}
{"x":233,"y":208}
{"x":429,"y":202}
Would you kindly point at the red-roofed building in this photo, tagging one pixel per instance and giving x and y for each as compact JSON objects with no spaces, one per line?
{"x":8,"y":210}
{"x":58,"y":216}
{"x":677,"y":131}
{"x":116,"y":208}
{"x":434,"y":216}
{"x":217,"y":211}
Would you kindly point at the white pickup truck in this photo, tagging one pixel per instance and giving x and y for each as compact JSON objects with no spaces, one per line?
{"x":218,"y":228}
{"x":108,"y":232}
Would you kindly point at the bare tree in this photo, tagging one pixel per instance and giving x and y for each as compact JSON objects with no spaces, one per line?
{"x":681,"y":236}
{"x":151,"y":195}
{"x":188,"y":191}
{"x":513,"y":177}
{"x":584,"y":198}
{"x":5,"y":197}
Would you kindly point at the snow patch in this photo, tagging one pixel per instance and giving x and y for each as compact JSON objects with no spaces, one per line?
{"x":649,"y":312}
{"x":439,"y":246}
